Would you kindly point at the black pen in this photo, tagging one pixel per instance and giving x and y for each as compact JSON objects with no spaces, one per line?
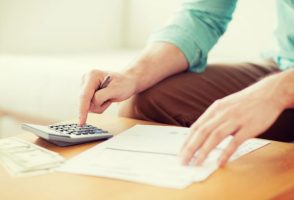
{"x":105,"y":82}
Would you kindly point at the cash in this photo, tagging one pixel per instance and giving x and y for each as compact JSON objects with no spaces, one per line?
{"x":21,"y":158}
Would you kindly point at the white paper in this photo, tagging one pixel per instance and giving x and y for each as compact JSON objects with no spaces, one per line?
{"x":148,"y":154}
{"x":148,"y":138}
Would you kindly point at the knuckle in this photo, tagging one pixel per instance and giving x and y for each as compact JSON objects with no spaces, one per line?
{"x":219,"y":103}
{"x":203,"y":130}
{"x":227,"y":152}
{"x":194,"y":128}
{"x":235,"y":143}
{"x":190,"y":149}
{"x":93,"y":73}
{"x":204,"y":151}
{"x":218,"y":135}
{"x":99,"y":111}
{"x":95,"y":101}
{"x":234,"y":114}
{"x":96,"y":109}
{"x":238,"y":140}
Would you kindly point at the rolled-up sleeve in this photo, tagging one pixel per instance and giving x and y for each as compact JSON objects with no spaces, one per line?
{"x":195,"y":28}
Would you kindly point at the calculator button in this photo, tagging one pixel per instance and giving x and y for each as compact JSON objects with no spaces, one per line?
{"x":96,"y":132}
{"x":75,"y":129}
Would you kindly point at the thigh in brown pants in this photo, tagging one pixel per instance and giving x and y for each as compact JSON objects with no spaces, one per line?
{"x":182,"y":98}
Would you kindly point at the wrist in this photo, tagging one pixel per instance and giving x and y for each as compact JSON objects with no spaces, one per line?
{"x":136,"y":71}
{"x":285,"y":88}
{"x":157,"y":62}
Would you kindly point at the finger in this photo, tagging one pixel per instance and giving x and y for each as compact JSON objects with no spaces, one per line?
{"x":103,"y":95}
{"x":199,"y":137}
{"x":231,"y":148}
{"x":101,"y":99}
{"x":86,"y":97}
{"x":214,"y":139}
{"x":191,"y":147}
{"x":102,"y":108}
{"x":196,"y":125}
{"x":191,"y":133}
{"x":210,"y":112}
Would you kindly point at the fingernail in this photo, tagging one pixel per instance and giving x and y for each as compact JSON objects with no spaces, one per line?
{"x":198,"y":160}
{"x":81,"y":120}
{"x":221,"y":162}
{"x":184,"y":161}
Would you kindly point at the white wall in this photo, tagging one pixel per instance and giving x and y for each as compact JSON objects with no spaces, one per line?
{"x":248,"y":34}
{"x":146,"y":16}
{"x":74,"y":26}
{"x":59,"y":26}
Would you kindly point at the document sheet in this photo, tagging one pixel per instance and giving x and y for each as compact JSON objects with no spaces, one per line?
{"x":149,"y":154}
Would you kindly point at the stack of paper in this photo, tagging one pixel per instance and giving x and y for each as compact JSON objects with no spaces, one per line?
{"x":24,"y":158}
{"x":148,"y":154}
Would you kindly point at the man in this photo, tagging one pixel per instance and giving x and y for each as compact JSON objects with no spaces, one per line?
{"x":168,"y":83}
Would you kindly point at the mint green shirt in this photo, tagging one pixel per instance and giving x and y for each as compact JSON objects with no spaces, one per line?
{"x":196,"y":28}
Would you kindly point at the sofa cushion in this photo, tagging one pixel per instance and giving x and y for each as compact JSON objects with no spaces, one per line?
{"x":48,"y":86}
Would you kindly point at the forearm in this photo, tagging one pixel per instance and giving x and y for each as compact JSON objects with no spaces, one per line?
{"x":286,"y":80}
{"x":184,"y":42}
{"x":157,"y":62}
{"x":279,"y":88}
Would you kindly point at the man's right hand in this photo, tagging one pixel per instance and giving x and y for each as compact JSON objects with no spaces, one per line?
{"x":157,"y":62}
{"x":120,"y":88}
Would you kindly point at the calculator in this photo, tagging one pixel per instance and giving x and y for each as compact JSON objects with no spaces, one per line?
{"x":67,"y":134}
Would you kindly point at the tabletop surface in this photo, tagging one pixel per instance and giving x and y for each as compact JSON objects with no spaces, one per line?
{"x":267,"y":173}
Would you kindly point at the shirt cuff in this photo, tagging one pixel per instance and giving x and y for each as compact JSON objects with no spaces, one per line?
{"x":183,"y":41}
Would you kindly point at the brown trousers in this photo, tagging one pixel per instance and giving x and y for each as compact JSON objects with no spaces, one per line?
{"x":182,"y":98}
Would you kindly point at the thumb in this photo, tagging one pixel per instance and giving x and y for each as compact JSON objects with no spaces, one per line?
{"x":101,"y":100}
{"x":100,"y":109}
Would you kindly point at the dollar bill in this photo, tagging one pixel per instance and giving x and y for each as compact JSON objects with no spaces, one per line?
{"x":24,"y":158}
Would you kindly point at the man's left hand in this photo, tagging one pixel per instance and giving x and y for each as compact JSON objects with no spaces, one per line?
{"x":243,"y":115}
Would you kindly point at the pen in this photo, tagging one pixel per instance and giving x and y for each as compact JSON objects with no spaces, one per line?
{"x":105,"y":82}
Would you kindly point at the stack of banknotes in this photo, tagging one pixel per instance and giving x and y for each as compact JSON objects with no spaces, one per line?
{"x":20,"y":157}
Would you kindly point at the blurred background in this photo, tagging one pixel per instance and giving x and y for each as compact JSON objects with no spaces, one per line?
{"x":47,"y":45}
